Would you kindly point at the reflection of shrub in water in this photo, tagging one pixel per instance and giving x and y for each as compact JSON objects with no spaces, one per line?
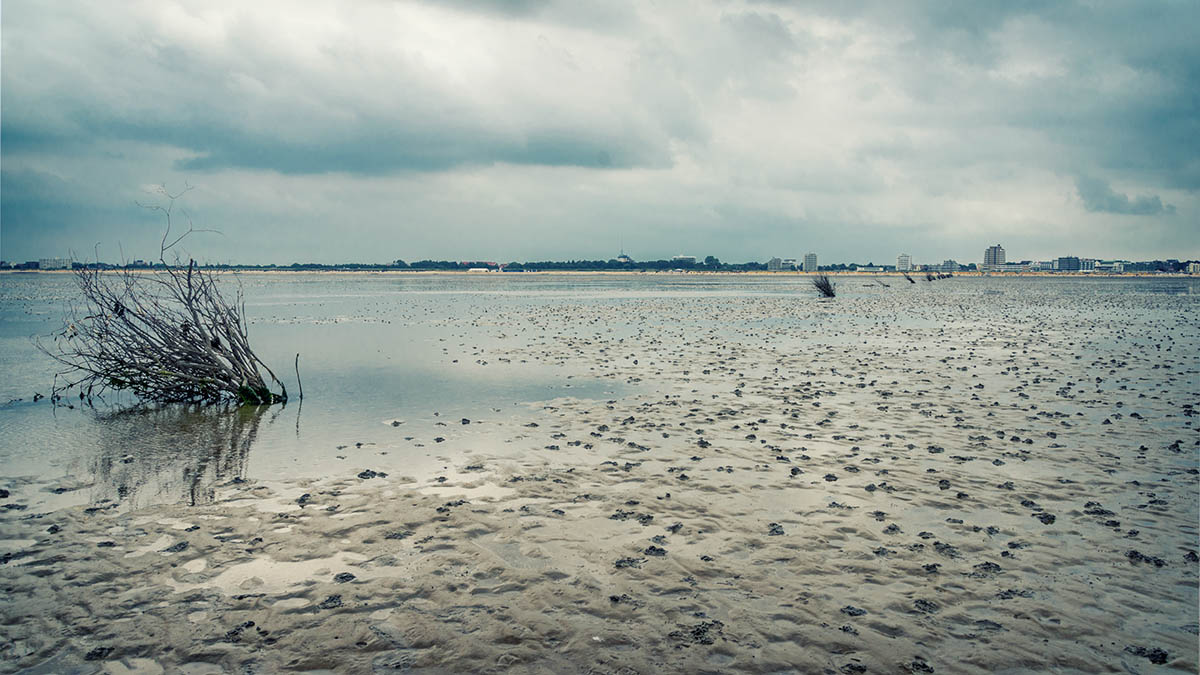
{"x":173,"y":453}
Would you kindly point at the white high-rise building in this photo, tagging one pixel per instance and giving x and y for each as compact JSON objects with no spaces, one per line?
{"x":903,"y":262}
{"x":810,"y":262}
{"x":993,"y":256}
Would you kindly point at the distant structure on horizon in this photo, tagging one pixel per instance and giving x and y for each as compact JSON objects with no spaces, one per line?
{"x":1070,"y":263}
{"x":993,"y":257}
{"x":54,"y":264}
{"x":810,"y":262}
{"x":684,"y":259}
{"x":903,"y":262}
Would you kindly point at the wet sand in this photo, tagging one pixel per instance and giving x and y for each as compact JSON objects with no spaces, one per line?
{"x":914,"y":480}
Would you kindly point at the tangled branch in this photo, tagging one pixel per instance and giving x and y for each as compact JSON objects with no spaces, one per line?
{"x":824,"y":285}
{"x":168,"y":337}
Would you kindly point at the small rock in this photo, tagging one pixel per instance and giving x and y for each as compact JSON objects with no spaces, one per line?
{"x":98,"y":654}
{"x":1157,"y":656}
{"x":926,"y":606}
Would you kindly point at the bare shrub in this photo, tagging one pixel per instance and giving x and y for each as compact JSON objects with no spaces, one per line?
{"x":824,"y":285}
{"x":168,"y":335}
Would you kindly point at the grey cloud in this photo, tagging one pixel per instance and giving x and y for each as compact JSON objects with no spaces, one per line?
{"x":235,"y":103}
{"x":1098,"y":196}
{"x":538,"y":127}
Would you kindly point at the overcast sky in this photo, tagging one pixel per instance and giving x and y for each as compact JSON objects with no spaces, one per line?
{"x":538,"y":129}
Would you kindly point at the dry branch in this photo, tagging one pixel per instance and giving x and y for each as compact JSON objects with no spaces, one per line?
{"x":167,"y":336}
{"x":824,"y":285}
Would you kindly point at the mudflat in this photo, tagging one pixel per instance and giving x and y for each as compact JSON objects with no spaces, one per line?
{"x":907,"y":480}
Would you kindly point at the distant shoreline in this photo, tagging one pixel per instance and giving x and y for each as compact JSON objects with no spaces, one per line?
{"x":917,"y":276}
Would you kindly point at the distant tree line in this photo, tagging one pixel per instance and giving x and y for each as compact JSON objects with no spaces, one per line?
{"x":709,"y":264}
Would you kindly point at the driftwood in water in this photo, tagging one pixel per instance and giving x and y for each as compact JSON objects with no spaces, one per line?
{"x":167,"y":336}
{"x":824,"y":285}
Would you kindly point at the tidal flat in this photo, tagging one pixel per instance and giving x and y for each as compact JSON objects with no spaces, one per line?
{"x":631,"y":476}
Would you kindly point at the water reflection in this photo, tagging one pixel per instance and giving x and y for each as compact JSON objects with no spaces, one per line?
{"x":178,"y":453}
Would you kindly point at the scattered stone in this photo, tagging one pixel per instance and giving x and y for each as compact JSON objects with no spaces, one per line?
{"x":98,"y":654}
{"x":1137,"y":557}
{"x":703,"y":633}
{"x":926,"y":606}
{"x":235,"y":634}
{"x":1157,"y":656}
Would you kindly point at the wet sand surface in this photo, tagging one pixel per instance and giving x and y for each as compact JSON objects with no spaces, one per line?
{"x":920,"y":479}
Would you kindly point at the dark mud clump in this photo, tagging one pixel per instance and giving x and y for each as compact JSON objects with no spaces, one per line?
{"x":1137,"y":557}
{"x":1157,"y":656}
{"x":703,"y":633}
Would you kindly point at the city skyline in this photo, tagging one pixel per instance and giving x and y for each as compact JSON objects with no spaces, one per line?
{"x":550,"y":130}
{"x":994,"y":259}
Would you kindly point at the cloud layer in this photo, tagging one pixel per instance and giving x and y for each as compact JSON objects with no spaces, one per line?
{"x":545,"y":129}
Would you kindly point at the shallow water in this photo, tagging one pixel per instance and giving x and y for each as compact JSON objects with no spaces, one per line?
{"x":392,"y":362}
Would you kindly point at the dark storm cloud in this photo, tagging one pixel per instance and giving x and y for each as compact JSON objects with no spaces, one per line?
{"x":1098,"y":195}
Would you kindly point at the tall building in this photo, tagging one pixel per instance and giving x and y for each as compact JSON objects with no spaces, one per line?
{"x":774,"y":265}
{"x":903,"y":262}
{"x":993,"y":256}
{"x":810,"y":262}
